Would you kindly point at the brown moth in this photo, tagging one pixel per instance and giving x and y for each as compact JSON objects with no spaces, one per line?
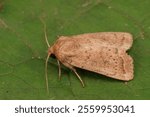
{"x":102,"y":52}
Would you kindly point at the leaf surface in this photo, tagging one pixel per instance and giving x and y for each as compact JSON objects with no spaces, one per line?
{"x":23,"y":49}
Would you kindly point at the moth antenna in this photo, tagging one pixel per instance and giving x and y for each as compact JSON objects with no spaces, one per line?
{"x":49,"y":53}
{"x":45,"y":34}
{"x":46,"y":78}
{"x":45,"y":30}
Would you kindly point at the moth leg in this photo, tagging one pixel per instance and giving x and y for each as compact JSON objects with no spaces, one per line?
{"x":74,"y":70}
{"x":59,"y":69}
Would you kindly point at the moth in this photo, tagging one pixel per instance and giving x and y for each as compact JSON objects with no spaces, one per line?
{"x":102,"y":52}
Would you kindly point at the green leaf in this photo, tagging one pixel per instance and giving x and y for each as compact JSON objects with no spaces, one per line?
{"x":23,"y":49}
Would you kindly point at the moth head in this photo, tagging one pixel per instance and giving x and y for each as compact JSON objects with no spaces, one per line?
{"x":50,"y":51}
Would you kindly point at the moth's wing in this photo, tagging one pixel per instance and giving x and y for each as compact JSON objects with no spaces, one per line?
{"x":95,"y":54}
{"x":112,"y":39}
{"x":103,"y":60}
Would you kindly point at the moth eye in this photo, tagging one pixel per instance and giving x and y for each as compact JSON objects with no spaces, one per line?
{"x":53,"y":56}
